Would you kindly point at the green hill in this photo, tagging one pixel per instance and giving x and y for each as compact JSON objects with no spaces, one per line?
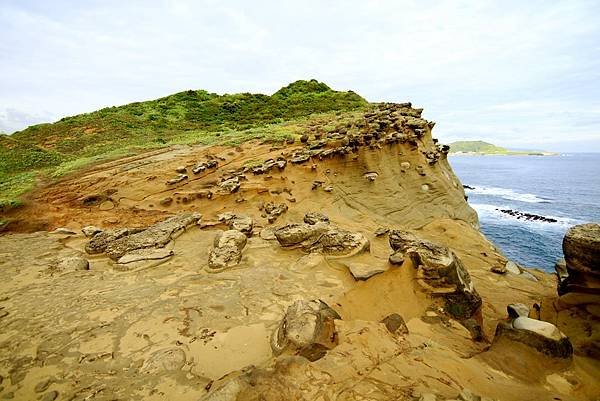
{"x":477,"y":147}
{"x":193,"y":116}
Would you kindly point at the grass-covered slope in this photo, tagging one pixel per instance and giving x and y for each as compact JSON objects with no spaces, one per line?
{"x":477,"y":147}
{"x":193,"y":116}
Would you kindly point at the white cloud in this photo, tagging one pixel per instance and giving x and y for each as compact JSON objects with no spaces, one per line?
{"x":503,"y":70}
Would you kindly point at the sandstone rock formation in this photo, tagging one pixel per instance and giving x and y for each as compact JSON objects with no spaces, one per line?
{"x":581,"y":247}
{"x":227,"y":249}
{"x":439,"y":271}
{"x":308,"y":329}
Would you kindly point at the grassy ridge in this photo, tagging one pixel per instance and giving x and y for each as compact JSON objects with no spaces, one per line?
{"x":477,"y":147}
{"x":193,"y":116}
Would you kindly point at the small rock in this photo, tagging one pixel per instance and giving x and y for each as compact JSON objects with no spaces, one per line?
{"x":74,"y":263}
{"x":268,"y":234}
{"x":181,"y":170}
{"x":363,"y":271}
{"x":395,"y":324}
{"x":50,"y":396}
{"x":106,"y":205}
{"x":517,"y":310}
{"x":63,"y":231}
{"x":166,"y":201}
{"x":381,"y":231}
{"x":328,"y":188}
{"x":42,"y":386}
{"x":512,"y":267}
{"x":499,"y":269}
{"x":315,"y":217}
{"x":396,"y":258}
{"x":90,"y":231}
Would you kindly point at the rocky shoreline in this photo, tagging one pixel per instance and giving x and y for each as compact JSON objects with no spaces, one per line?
{"x":339,"y":265}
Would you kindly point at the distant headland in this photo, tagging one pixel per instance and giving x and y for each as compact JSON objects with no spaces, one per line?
{"x":478,"y":148}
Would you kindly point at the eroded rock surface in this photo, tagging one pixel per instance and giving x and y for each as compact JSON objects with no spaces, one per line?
{"x":227,"y":249}
{"x":440,"y":271}
{"x":308,"y":329}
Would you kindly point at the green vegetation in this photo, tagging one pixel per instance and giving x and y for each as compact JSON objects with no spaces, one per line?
{"x":477,"y":147}
{"x":485,"y":148}
{"x":193,"y":116}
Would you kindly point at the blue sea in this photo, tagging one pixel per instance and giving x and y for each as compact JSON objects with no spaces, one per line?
{"x":565,"y":188}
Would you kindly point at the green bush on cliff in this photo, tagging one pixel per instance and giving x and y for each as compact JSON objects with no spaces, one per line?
{"x":193,"y":116}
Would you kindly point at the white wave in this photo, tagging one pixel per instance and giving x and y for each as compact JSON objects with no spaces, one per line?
{"x":492,"y":212}
{"x":506,"y":193}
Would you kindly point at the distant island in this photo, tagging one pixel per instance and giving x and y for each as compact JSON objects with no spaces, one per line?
{"x":486,"y":148}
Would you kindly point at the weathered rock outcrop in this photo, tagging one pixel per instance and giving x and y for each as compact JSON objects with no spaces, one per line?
{"x":323,"y":238}
{"x":581,"y":247}
{"x":227,"y":250}
{"x":540,"y":335}
{"x":307,"y":329}
{"x":439,"y":271}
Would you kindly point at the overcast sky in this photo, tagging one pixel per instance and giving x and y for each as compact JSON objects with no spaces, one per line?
{"x":524,"y":74}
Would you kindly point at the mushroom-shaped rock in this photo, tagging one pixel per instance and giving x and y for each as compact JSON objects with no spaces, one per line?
{"x":227,"y":249}
{"x":581,"y":247}
{"x":315,"y":217}
{"x":307,"y":329}
{"x":439,"y":271}
{"x":543,"y":336}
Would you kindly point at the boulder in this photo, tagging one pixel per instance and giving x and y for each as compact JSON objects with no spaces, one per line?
{"x":101,"y":240}
{"x":306,"y":328}
{"x":543,"y":336}
{"x":440,"y":272}
{"x":581,"y":247}
{"x":157,"y":236}
{"x":227,"y":249}
{"x":335,"y":241}
{"x":512,"y":267}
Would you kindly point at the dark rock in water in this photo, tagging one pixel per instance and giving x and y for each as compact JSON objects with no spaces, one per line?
{"x":542,"y":336}
{"x":527,"y":216}
{"x":468,"y":187}
{"x":315,"y":217}
{"x":227,"y":249}
{"x":439,"y":271}
{"x":395,"y":324}
{"x":307,"y":329}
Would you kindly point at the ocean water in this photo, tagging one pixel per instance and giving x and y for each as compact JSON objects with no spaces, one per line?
{"x":565,"y":187}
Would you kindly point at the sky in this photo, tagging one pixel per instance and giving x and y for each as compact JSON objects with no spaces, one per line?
{"x":522,"y":74}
